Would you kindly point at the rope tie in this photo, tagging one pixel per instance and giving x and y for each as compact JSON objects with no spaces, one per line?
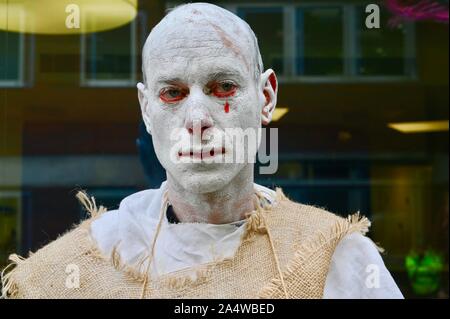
{"x":164,"y":205}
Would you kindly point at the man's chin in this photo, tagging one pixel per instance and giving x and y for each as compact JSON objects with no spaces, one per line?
{"x":207,"y":181}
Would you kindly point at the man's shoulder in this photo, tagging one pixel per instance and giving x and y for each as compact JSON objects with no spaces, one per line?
{"x":46,"y":269}
{"x":311,"y":221}
{"x":306,"y":237}
{"x":301,"y":213}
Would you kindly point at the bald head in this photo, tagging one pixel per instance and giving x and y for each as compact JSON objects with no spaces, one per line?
{"x":203,"y":73}
{"x":190,"y":30}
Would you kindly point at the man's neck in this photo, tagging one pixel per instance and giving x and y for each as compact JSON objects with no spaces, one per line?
{"x":226,"y":205}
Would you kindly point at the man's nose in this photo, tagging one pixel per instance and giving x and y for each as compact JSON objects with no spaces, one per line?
{"x":197,"y":113}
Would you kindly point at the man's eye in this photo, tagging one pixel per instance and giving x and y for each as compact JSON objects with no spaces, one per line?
{"x":224,"y":89}
{"x":227,"y":86}
{"x":171,"y":95}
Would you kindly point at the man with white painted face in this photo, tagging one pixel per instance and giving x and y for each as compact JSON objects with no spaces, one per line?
{"x":209,"y":231}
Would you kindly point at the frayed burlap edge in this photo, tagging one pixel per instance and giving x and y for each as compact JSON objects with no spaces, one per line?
{"x":353,"y":223}
{"x":10,"y":288}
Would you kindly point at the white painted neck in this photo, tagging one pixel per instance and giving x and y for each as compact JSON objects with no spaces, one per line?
{"x":226,"y":205}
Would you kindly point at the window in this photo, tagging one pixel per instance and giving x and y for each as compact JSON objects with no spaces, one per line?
{"x":11,"y":59}
{"x":320,"y":41}
{"x":109,"y":58}
{"x":270,"y":35}
{"x":381,"y":51}
{"x":330,"y":42}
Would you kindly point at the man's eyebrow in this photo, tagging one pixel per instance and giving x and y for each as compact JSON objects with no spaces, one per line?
{"x":220,"y":74}
{"x":214,"y":75}
{"x":163,"y":79}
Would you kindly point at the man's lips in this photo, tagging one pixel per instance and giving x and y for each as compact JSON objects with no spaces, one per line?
{"x":203,"y":154}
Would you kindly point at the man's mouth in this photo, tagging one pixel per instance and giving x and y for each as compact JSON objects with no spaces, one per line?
{"x":202,"y":154}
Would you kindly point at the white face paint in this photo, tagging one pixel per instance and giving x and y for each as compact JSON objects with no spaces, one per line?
{"x":200,"y":70}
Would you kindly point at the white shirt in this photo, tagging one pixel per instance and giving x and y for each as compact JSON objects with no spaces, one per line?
{"x":131,"y":228}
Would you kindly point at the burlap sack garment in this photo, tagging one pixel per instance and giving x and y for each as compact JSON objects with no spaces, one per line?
{"x":285,"y":252}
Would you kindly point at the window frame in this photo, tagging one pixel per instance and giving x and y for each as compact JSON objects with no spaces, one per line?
{"x":136,"y":38}
{"x":350,"y":44}
{"x":296,"y":54}
{"x":20,"y":82}
{"x":409,"y":54}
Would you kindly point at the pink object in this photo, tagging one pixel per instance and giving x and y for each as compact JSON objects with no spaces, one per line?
{"x":417,"y":10}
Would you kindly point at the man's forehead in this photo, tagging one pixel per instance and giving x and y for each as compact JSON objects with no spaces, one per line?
{"x":186,"y":42}
{"x":193,"y":38}
{"x":196,"y":69}
{"x":202,"y":14}
{"x":200,"y":32}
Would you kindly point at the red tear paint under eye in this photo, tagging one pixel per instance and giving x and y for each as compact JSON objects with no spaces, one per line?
{"x":273,"y":81}
{"x":226,"y":107}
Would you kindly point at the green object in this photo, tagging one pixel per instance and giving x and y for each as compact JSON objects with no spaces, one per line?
{"x":424,"y":271}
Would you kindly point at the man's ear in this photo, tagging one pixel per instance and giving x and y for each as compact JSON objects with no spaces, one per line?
{"x":269,"y":84}
{"x":143,"y":101}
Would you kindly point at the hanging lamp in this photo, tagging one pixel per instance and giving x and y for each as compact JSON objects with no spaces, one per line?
{"x":65,"y":16}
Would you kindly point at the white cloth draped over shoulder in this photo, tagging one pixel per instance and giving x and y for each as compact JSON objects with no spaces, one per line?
{"x":130,"y":230}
